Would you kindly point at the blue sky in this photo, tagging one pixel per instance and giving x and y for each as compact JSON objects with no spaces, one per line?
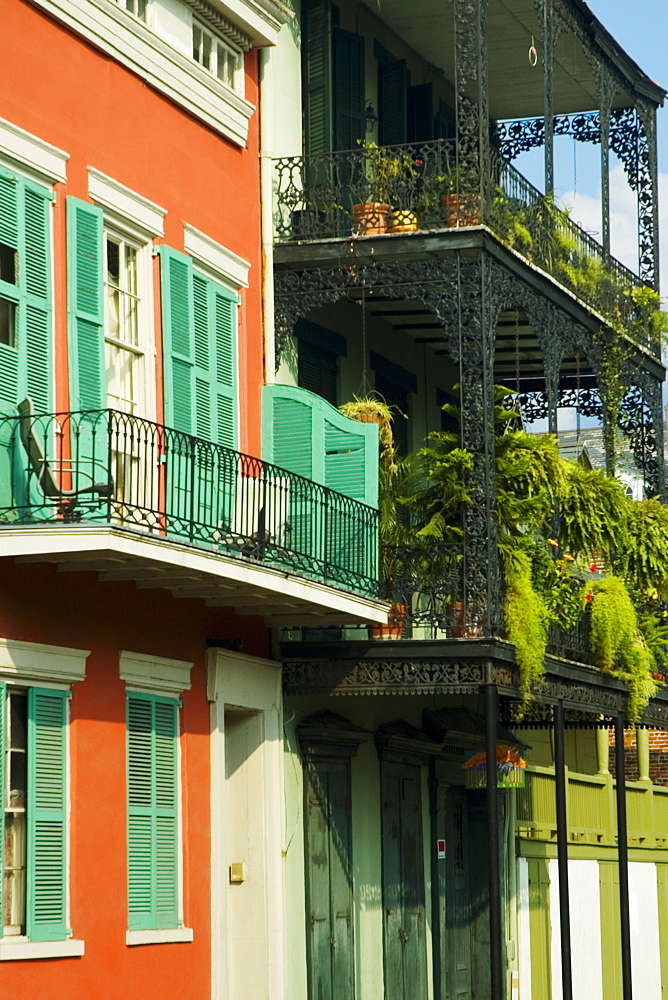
{"x":641,"y":28}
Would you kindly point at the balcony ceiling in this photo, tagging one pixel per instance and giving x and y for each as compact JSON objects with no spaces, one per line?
{"x":150,"y":562}
{"x":515,"y":87}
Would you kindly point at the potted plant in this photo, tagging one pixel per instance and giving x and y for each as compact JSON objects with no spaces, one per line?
{"x":386,"y":170}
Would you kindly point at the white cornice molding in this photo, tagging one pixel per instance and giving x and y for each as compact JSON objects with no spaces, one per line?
{"x":124,"y":204}
{"x":117,"y":33}
{"x":31,"y":155}
{"x":34,"y":661}
{"x":141,"y":671}
{"x":216,"y":258}
{"x":260,"y":19}
{"x":234,"y":664}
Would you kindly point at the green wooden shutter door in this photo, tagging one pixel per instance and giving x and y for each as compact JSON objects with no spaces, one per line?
{"x":345,"y":462}
{"x":349,"y":124}
{"x":214,"y":323}
{"x":405,"y":958}
{"x":37,"y":356}
{"x":329,"y":882}
{"x":85,"y":284}
{"x":9,"y":235}
{"x":3,"y":738}
{"x":47,"y":815}
{"x":317,"y":73}
{"x":178,"y":339}
{"x":393,"y":81}
{"x":225,"y":339}
{"x":152,"y":813}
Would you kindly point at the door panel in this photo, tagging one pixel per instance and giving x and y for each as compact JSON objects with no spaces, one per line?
{"x":329,"y":882}
{"x":403,"y":884}
{"x":458,"y":899}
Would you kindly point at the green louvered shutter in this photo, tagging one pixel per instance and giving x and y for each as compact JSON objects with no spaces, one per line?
{"x":3,"y":756}
{"x":307,"y":436}
{"x":9,"y":235}
{"x":317,"y":76}
{"x":152,"y":812}
{"x":393,"y":81}
{"x":178,"y":341}
{"x":36,"y":326}
{"x":85,"y":287}
{"x":349,"y":125}
{"x":214,"y":312}
{"x":47,"y":815}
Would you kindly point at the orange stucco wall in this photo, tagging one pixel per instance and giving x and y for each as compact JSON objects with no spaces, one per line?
{"x":41,"y":605}
{"x":61,"y":89}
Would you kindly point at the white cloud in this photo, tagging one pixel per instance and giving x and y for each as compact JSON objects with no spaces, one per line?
{"x":586,"y":211}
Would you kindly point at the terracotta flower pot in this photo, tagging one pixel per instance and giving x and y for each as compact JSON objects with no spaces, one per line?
{"x":394,"y":626}
{"x":371,"y":218}
{"x":461,"y":210}
{"x":461,"y":628}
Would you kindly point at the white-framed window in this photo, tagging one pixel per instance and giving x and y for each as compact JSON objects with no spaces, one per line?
{"x":155,"y":869}
{"x":137,"y":7}
{"x":34,"y":820}
{"x":14,"y":799}
{"x":217,"y":56}
{"x":126,"y":327}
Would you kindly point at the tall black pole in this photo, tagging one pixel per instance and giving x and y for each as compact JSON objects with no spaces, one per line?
{"x":562,"y":852}
{"x":495,"y":952}
{"x":623,"y":856}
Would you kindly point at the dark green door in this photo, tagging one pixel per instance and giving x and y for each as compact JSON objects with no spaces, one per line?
{"x":329,"y":904}
{"x":405,"y":957}
{"x":458,"y":927}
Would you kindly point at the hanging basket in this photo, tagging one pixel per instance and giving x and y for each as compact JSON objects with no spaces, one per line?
{"x":510,"y":769}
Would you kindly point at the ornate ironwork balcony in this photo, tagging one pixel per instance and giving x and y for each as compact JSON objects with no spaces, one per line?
{"x":374,"y":190}
{"x":106,"y":467}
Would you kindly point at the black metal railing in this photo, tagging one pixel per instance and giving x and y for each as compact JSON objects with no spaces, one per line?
{"x":396,"y":189}
{"x":108,"y":467}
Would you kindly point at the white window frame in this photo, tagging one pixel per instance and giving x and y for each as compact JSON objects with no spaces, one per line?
{"x":24,"y":665}
{"x":136,"y":220}
{"x":216,"y":41}
{"x":147,"y":7}
{"x":167,"y":678}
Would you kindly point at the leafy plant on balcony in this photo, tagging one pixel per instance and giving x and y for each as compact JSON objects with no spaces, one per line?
{"x":509,"y":221}
{"x":386,"y":169}
{"x":618,"y":642}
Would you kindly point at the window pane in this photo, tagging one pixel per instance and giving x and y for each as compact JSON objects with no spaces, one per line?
{"x":7,"y":264}
{"x":15,"y":872}
{"x":7,"y":322}
{"x":17,"y":721}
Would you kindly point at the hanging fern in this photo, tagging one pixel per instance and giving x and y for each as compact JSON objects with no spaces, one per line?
{"x":593,"y":512}
{"x":526,"y":622}
{"x":619,"y":645}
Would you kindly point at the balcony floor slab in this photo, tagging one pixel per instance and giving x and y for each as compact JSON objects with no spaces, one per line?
{"x":117,"y":554}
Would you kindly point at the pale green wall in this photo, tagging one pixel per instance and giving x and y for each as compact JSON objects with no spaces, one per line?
{"x":368,"y":713}
{"x":432,"y":371}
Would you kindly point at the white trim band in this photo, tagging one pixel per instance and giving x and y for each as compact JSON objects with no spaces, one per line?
{"x":154,"y":673}
{"x":120,"y":35}
{"x":216,"y":258}
{"x":175,"y":935}
{"x":124,"y":204}
{"x":15,"y":949}
{"x":44,"y":161}
{"x":35,"y":661}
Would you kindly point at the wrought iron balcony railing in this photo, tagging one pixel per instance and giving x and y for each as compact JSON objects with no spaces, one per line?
{"x":106,"y":467}
{"x":399,"y":189}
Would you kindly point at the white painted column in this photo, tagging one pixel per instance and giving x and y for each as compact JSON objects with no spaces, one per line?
{"x":585,"y":910}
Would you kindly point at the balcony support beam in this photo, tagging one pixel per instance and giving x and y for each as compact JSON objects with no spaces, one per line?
{"x":560,"y":787}
{"x":491,"y":700}
{"x":623,"y":858}
{"x":471,"y":95}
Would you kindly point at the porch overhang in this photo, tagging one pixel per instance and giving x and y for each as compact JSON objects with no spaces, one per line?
{"x":516,"y":83}
{"x":153,"y":561}
{"x":461,"y":666}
